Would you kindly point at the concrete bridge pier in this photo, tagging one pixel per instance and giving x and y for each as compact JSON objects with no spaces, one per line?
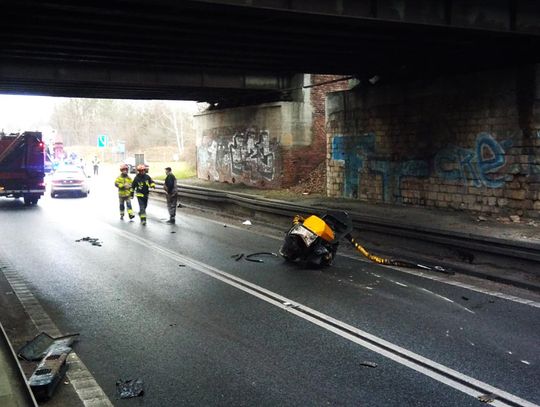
{"x":271,"y":145}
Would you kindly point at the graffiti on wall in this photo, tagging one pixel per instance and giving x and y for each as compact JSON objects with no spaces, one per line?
{"x":480,"y":165}
{"x":248,"y":157}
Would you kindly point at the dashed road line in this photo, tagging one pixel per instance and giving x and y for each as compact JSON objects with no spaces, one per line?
{"x":432,"y":369}
{"x":421,"y":274}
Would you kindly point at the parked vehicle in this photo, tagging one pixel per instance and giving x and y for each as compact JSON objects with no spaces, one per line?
{"x":315,"y":240}
{"x":22,"y":166}
{"x":69,"y":179}
{"x":132,"y":163}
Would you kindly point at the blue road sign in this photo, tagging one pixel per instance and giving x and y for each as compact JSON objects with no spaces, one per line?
{"x":102,"y":141}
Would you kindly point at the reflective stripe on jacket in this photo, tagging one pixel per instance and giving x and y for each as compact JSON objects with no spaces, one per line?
{"x":142,"y":184}
{"x":124,"y":185}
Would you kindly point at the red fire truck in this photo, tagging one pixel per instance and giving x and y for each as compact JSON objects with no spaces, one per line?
{"x":22,"y":166}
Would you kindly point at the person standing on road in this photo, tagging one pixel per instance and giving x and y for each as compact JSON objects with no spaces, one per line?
{"x":125,"y":191}
{"x":171,"y":192}
{"x":95,"y":163}
{"x":141,"y":186}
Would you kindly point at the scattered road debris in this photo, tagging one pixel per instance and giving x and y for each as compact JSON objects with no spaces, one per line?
{"x":94,"y":241}
{"x":368,"y":364}
{"x":237,"y":256}
{"x":43,"y":343}
{"x":181,"y":265}
{"x":250,"y":257}
{"x":481,"y":219}
{"x":247,"y":222}
{"x":515,"y":218}
{"x":129,"y":388}
{"x":487,"y":398}
{"x":465,"y":298}
{"x":49,"y":373}
{"x":173,"y":231}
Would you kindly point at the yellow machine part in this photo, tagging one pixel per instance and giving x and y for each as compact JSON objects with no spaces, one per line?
{"x":319,"y":227}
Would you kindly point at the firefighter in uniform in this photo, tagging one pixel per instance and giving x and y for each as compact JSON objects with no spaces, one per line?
{"x":125,"y":191}
{"x":141,"y":186}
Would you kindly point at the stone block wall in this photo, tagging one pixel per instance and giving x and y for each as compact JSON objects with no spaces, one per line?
{"x":270,"y":145}
{"x":467,"y":141}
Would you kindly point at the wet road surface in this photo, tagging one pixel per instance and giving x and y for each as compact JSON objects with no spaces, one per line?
{"x":170,"y":305}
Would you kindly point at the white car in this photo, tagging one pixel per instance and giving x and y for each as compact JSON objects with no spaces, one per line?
{"x":69,"y":180}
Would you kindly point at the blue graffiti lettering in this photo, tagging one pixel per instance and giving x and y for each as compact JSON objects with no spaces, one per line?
{"x":491,"y":158}
{"x":353,"y":151}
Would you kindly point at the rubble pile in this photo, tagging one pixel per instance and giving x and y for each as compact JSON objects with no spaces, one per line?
{"x":314,"y":183}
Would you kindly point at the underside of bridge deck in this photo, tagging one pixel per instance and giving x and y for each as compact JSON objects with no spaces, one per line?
{"x":208,"y":50}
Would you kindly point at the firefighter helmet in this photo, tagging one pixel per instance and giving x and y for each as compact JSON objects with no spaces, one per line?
{"x":141,"y":167}
{"x":124,"y":167}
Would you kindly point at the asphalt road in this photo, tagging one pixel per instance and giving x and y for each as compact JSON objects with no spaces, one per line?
{"x":169,"y":305}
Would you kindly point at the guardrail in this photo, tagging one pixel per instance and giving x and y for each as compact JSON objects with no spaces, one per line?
{"x":492,"y":245}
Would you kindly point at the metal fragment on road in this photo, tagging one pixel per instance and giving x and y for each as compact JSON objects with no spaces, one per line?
{"x":43,"y":343}
{"x":487,"y":398}
{"x":48,"y":374}
{"x":249,"y":257}
{"x":129,"y":388}
{"x":94,"y":241}
{"x":369,"y":364}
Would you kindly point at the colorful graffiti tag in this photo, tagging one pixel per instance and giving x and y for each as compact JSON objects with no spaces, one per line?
{"x":249,"y":157}
{"x":480,"y":166}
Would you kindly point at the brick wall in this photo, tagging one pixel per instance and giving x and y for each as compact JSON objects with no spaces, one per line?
{"x":467,"y":142}
{"x":299,"y":161}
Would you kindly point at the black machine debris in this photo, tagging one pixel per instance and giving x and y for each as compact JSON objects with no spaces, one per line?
{"x":314,"y":241}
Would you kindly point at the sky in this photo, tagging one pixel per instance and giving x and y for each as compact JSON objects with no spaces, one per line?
{"x":28,"y":113}
{"x":25,"y":113}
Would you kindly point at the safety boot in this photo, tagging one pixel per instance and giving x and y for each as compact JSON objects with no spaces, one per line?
{"x":121,"y":217}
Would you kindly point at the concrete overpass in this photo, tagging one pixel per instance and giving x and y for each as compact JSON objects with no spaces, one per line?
{"x":247,"y":51}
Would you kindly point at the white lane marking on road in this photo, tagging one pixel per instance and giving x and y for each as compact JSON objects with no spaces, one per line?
{"x":81,"y":379}
{"x":416,"y":273}
{"x":444,"y":280}
{"x":441,"y":373}
{"x":447,"y":299}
